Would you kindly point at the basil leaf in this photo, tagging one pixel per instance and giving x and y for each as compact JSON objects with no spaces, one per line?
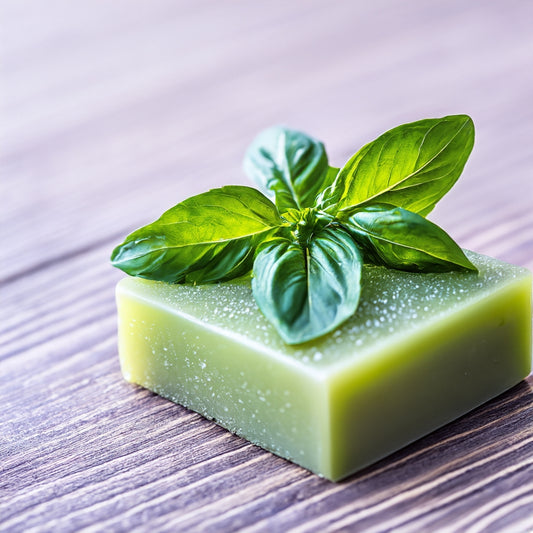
{"x":289,"y":164}
{"x":209,"y":237}
{"x":306,"y":293}
{"x":397,"y":238}
{"x":412,"y":166}
{"x":331,"y":174}
{"x":326,"y":194}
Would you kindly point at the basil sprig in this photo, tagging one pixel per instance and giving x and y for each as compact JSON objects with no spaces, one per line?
{"x":306,"y":251}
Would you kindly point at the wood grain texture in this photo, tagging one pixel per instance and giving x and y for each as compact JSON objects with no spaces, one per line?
{"x":110,"y":113}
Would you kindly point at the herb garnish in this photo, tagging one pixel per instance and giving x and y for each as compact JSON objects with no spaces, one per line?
{"x":307,"y":250}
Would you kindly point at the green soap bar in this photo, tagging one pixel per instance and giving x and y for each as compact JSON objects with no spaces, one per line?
{"x":421,"y":350}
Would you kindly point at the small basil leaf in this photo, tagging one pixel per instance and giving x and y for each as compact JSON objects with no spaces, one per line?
{"x":326,"y":193}
{"x":206,"y":238}
{"x":412,"y":166}
{"x":306,"y":293}
{"x":331,"y":174}
{"x":289,"y":164}
{"x":397,"y":238}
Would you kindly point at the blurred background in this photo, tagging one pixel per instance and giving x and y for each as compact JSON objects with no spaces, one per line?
{"x":114,"y":111}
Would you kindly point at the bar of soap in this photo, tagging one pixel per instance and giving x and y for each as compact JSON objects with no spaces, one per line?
{"x":421,"y":350}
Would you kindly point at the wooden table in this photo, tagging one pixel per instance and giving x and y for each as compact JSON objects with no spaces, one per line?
{"x":114,"y":111}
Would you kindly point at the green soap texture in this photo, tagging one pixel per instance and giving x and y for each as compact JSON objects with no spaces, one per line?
{"x":420,"y":351}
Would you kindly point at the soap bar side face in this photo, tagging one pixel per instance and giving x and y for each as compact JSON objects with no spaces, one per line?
{"x":268,"y":401}
{"x":430,"y":378}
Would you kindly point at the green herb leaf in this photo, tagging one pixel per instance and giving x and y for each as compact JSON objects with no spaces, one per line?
{"x":309,"y":250}
{"x":307,"y":292}
{"x":412,"y":166}
{"x":329,"y":179}
{"x":397,"y":238}
{"x":289,"y":164}
{"x":209,"y":237}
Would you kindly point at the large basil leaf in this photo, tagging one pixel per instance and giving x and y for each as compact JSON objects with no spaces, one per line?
{"x":289,"y":164}
{"x":412,"y":166}
{"x":209,"y":237}
{"x":397,"y":238}
{"x":306,"y":293}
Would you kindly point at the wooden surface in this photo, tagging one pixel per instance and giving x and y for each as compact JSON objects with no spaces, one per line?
{"x":114,"y":111}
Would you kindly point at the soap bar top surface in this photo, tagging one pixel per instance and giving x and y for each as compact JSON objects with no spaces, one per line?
{"x":393,"y":305}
